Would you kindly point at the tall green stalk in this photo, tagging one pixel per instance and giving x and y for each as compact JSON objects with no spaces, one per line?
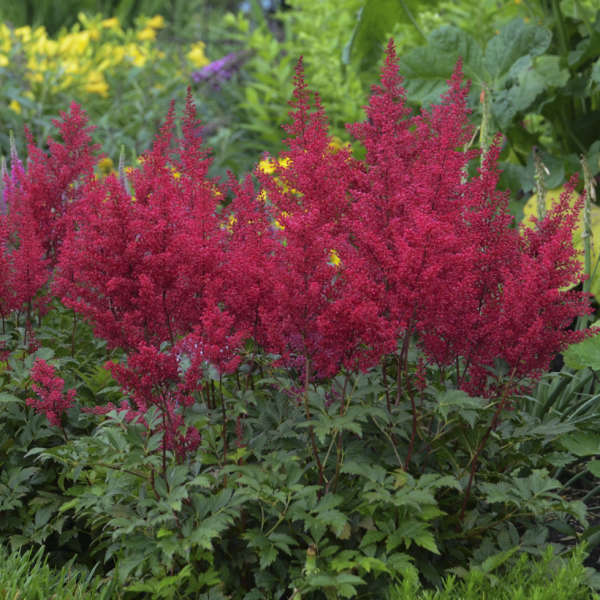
{"x":589,"y":196}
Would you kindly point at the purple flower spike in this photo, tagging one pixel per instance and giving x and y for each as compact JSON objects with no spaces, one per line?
{"x":218,"y":71}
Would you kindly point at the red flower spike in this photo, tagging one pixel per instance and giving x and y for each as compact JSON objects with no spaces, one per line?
{"x":52,"y":399}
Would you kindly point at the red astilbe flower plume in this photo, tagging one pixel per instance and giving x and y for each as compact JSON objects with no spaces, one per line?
{"x":152,"y":378}
{"x":248,"y":246}
{"x":54,"y":180}
{"x":25,"y":269}
{"x":409,"y":206}
{"x":5,"y":287}
{"x":52,"y":399}
{"x":138,"y":266}
{"x":441,"y":247}
{"x":315,"y":309}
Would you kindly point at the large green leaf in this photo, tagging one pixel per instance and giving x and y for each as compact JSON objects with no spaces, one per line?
{"x":427,"y":68}
{"x":509,"y":65}
{"x":375,"y":22}
{"x":582,"y":443}
{"x":515,"y":40}
{"x":584,"y":354}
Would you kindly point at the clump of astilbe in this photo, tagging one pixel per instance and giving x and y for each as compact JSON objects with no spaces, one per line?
{"x":314,"y":311}
{"x":145,"y":268}
{"x":52,"y":399}
{"x":35,"y":204}
{"x":441,"y":248}
{"x":138,"y":266}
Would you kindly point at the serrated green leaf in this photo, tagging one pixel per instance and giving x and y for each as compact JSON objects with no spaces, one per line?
{"x":6,"y":398}
{"x":371,"y":537}
{"x":363,"y":469}
{"x":267,"y":556}
{"x":426,"y":69}
{"x":427,"y":541}
{"x":458,"y":401}
{"x":493,"y":562}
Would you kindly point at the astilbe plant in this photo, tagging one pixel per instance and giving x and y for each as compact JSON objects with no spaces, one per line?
{"x":145,"y":268}
{"x":328,"y":265}
{"x":36,"y":201}
{"x":152,"y":378}
{"x":449,"y":266}
{"x":315,"y":313}
{"x":138,"y":265}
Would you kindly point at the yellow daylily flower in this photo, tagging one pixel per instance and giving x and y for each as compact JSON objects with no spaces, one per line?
{"x":112,"y":23}
{"x":147,"y":34}
{"x":156,"y":22}
{"x":196,"y":55}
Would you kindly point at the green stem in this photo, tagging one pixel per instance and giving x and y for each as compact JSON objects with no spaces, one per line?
{"x":560,"y":26}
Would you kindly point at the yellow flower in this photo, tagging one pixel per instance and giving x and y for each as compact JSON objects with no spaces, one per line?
{"x":15,"y":106}
{"x":23,"y":33}
{"x":146,"y":34}
{"x":112,"y":23}
{"x":3,"y":60}
{"x":75,"y":43}
{"x":35,"y":77}
{"x":267,"y":166}
{"x":105,"y":165}
{"x":5,"y":38}
{"x":231,"y":221}
{"x":156,"y":22}
{"x":277,"y":224}
{"x":285,"y":162}
{"x":135,"y":55}
{"x":196,"y":55}
{"x":336,"y":144}
{"x":334,"y":258}
{"x":96,"y":84}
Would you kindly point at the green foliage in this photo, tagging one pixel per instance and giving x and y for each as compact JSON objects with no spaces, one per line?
{"x":585,"y":354}
{"x":28,"y":576}
{"x":260,"y":510}
{"x":543,"y":579}
{"x":373,"y":28}
{"x":31,"y":495}
{"x":266,"y":514}
{"x":259,"y":105}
